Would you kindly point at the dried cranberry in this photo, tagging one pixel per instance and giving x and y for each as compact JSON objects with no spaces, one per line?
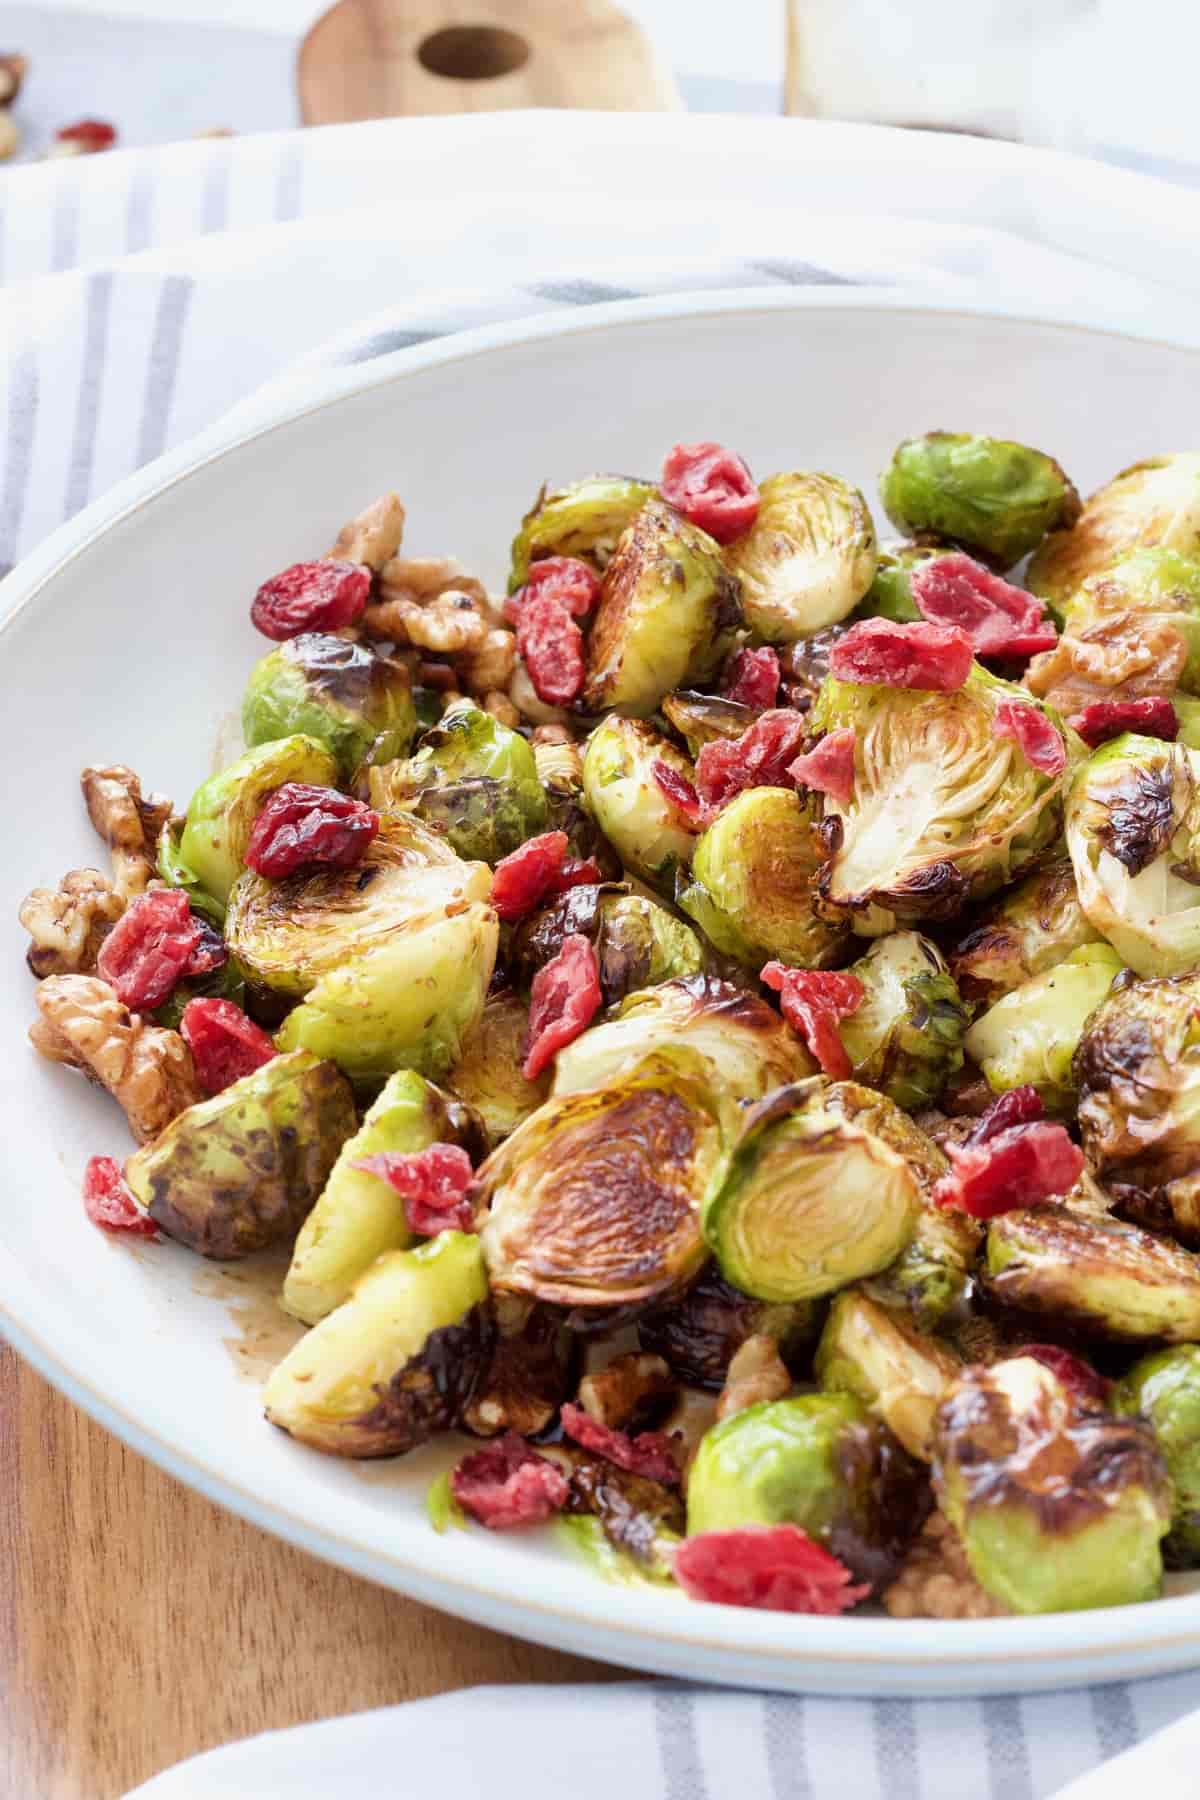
{"x":507,"y":1485}
{"x":148,"y":950}
{"x":1039,"y":741}
{"x":577,"y":871}
{"x":775,"y":1567}
{"x":1019,"y":1106}
{"x":752,"y":678}
{"x":224,"y":1043}
{"x":759,"y":758}
{"x":315,"y":596}
{"x":564,"y":999}
{"x":1001,"y":620}
{"x":829,"y":769}
{"x":551,"y":647}
{"x":88,"y":135}
{"x":302,"y":825}
{"x":1078,"y":1377}
{"x":712,"y":487}
{"x":433,"y":1184}
{"x":1105,"y":719}
{"x":936,"y":657}
{"x":210,"y":952}
{"x":565,"y":578}
{"x":523,"y":879}
{"x":1018,"y":1167}
{"x":812,"y":1001}
{"x":650,"y":1454}
{"x":674,"y":785}
{"x":108,"y":1201}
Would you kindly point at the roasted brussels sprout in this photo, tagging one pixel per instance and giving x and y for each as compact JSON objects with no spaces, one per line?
{"x":223,"y":809}
{"x":753,"y":885}
{"x":487,"y":1075}
{"x":906,"y":1037}
{"x":698,"y":1334}
{"x":1133,"y":830}
{"x":807,"y":1201}
{"x":170,"y":867}
{"x":559,"y":763}
{"x":241,"y":1171}
{"x":992,"y":496}
{"x":583,"y":520}
{"x":666,"y":616}
{"x":358,"y":1216}
{"x":1030,"y":1036}
{"x":899,"y":1373}
{"x":1103,"y":1277}
{"x":638,"y":943}
{"x":1165,"y":1389}
{"x":473,"y":780}
{"x":703,"y":718}
{"x":807,"y":560}
{"x":943,"y":810}
{"x":746,"y":1042}
{"x":396,"y":1362}
{"x":1059,"y":1507}
{"x":1153,"y":503}
{"x":593,"y":1203}
{"x":890,"y":595}
{"x":640,"y":823}
{"x":819,"y":1461}
{"x":1022,"y":933}
{"x":350,"y":698}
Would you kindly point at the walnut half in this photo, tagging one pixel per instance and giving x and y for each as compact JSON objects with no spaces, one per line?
{"x":756,"y":1372}
{"x":67,"y":925}
{"x":147,"y":1070}
{"x":128,"y":821}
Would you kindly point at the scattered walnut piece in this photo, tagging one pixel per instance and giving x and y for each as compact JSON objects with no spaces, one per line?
{"x":936,"y":1580}
{"x":13,"y":70}
{"x":491,"y":666}
{"x":69,"y":924}
{"x":147,"y":1070}
{"x":1121,"y":655}
{"x":128,"y":821}
{"x":524,"y":697}
{"x":756,"y":1372}
{"x":447,"y":625}
{"x":615,"y":1393}
{"x":374,"y":536}
{"x":502,"y":708}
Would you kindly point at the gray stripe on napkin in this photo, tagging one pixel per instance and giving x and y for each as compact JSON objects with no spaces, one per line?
{"x":64,"y":232}
{"x":1116,"y":1722}
{"x":678,"y":1744}
{"x":139,"y":209}
{"x":22,"y":426}
{"x":581,"y":293}
{"x":1009,"y":1774}
{"x":384,"y":342}
{"x":289,"y":182}
{"x":785,"y":1738}
{"x":163,"y":365}
{"x":83,"y":443}
{"x":802,"y":274}
{"x":896,"y":1749}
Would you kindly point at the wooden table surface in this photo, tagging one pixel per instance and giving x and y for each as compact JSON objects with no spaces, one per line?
{"x":142,"y":1623}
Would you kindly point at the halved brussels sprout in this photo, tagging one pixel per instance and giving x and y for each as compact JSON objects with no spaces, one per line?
{"x":906,"y":1037}
{"x":899,"y":1373}
{"x":698,"y":1334}
{"x":353,"y":700}
{"x":640,"y":823}
{"x":559,"y":766}
{"x":753,"y":885}
{"x":1030,"y":1036}
{"x":223,"y":809}
{"x":666,"y":616}
{"x":993,"y":496}
{"x":1156,"y":502}
{"x":1133,"y":830}
{"x":594,"y":1202}
{"x":396,"y":1362}
{"x":358,"y":1216}
{"x":1108,"y":1279}
{"x":1138,"y":1068}
{"x":473,"y":780}
{"x":1165,"y":1389}
{"x":1022,"y":933}
{"x":240,"y":1171}
{"x":890,"y":593}
{"x":943,"y":810}
{"x":172,"y":869}
{"x":638,"y":943}
{"x":583,"y":520}
{"x":819,"y":1461}
{"x":1059,"y":1507}
{"x":487,"y":1075}
{"x":744,"y":1040}
{"x":807,"y":1201}
{"x":807,"y":560}
{"x":703,"y":718}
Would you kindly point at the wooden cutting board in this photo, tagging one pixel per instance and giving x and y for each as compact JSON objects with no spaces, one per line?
{"x":376,"y":59}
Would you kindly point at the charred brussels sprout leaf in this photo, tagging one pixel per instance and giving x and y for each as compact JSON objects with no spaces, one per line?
{"x":900,"y":1374}
{"x":531,"y":1371}
{"x":487,"y":1075}
{"x":223,"y":809}
{"x":241,"y":1171}
{"x":583,"y":520}
{"x":1165,"y":1389}
{"x":351,"y":699}
{"x":1106,"y":1278}
{"x":473,"y":780}
{"x":703,"y":718}
{"x":753,"y":884}
{"x":172,"y":869}
{"x":638,"y":943}
{"x":819,"y":1461}
{"x":396,"y":1362}
{"x":1059,"y":1507}
{"x":639,"y":821}
{"x":808,"y":1201}
{"x":698,"y":1334}
{"x":1154,"y":503}
{"x":890,"y":594}
{"x":906,"y":1037}
{"x":985,"y":493}
{"x":1030,"y":1036}
{"x":666,"y":616}
{"x":1022,"y":933}
{"x":807,"y":560}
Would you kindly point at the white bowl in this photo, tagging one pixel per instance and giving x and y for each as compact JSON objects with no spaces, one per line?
{"x":127,"y":638}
